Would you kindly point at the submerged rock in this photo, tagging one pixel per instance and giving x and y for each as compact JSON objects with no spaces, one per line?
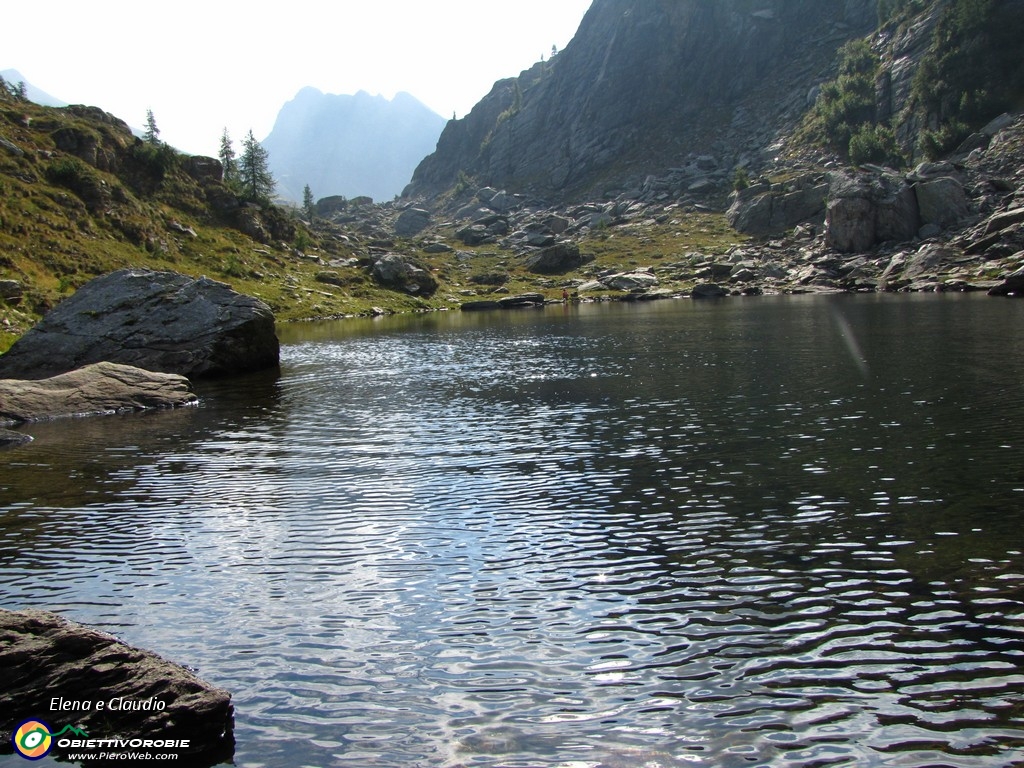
{"x":9,"y":438}
{"x":97,"y":388}
{"x":160,"y":321}
{"x":107,"y":689}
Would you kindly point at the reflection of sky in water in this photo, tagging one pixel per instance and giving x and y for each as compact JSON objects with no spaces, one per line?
{"x":668,"y":535}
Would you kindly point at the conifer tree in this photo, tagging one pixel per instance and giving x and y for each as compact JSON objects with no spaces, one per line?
{"x":254,"y":171}
{"x":152,"y":134}
{"x":308,"y":203}
{"x":227,"y":158}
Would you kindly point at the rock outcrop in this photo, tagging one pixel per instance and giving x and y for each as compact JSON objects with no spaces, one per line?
{"x":771,"y":209}
{"x":867,"y":209}
{"x":44,"y":656}
{"x":160,"y":321}
{"x":97,"y":388}
{"x":404,"y":274}
{"x":876,"y":205}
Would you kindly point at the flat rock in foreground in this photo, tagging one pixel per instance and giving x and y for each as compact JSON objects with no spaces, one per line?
{"x":44,"y":657}
{"x":97,"y":388}
{"x":160,"y":321}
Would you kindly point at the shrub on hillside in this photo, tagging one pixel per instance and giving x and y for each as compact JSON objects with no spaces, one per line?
{"x":874,"y":144}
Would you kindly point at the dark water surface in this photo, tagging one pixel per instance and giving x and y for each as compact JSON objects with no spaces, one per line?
{"x":768,"y":531}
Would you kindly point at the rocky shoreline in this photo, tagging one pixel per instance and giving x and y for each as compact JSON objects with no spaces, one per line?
{"x":812,"y":225}
{"x":127,"y":341}
{"x":94,"y":687}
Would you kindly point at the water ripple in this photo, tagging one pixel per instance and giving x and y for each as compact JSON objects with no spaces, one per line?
{"x":566,"y":541}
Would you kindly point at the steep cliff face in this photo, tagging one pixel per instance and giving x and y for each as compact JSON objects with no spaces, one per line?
{"x":644,"y":84}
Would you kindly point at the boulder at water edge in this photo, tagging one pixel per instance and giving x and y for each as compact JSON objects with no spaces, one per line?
{"x":160,"y":321}
{"x":106,"y":689}
{"x":97,"y":388}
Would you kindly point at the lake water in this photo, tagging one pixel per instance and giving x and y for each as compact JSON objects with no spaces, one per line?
{"x":765,"y":531}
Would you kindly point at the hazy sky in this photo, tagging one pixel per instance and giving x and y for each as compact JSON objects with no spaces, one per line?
{"x":205,"y":66}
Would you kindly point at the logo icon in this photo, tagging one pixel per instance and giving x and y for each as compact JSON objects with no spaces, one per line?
{"x":32,"y":739}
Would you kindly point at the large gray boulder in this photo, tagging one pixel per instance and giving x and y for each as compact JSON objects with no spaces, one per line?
{"x":45,"y":657}
{"x":160,"y":321}
{"x":766,"y":210}
{"x":412,"y":221}
{"x":401,"y":273}
{"x":10,"y":291}
{"x":941,"y":201}
{"x":97,"y":388}
{"x":557,"y":259}
{"x":630,"y":281}
{"x":866,"y":209}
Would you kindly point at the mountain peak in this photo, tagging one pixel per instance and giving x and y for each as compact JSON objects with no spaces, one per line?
{"x":350,"y":145}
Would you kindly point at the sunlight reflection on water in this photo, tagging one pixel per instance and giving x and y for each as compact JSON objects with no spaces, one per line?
{"x":614,"y":536}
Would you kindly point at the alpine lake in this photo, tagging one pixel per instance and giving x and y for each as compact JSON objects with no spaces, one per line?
{"x":765,"y":531}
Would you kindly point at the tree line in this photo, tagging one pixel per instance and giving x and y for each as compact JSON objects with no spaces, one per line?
{"x":13,"y":91}
{"x":248,"y":173}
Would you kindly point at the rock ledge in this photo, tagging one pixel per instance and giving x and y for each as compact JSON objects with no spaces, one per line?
{"x":45,"y":657}
{"x":94,"y":389}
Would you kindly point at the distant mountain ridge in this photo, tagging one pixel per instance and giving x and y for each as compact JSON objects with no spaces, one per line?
{"x":35,"y":95}
{"x":349,"y":145}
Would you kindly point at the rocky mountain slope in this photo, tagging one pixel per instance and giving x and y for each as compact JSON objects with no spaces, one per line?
{"x":868,"y":146}
{"x":647,"y":85}
{"x":358,"y":145}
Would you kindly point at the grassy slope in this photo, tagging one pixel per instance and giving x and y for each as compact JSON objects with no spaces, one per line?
{"x":64,"y":221}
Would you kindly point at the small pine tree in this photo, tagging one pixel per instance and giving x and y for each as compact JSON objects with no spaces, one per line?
{"x":254,"y":171}
{"x":740,"y":179}
{"x":152,"y":134}
{"x":13,"y":91}
{"x":308,"y":203}
{"x":227,"y":158}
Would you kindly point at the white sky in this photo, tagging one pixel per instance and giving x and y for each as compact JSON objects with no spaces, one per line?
{"x":203,"y":66}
